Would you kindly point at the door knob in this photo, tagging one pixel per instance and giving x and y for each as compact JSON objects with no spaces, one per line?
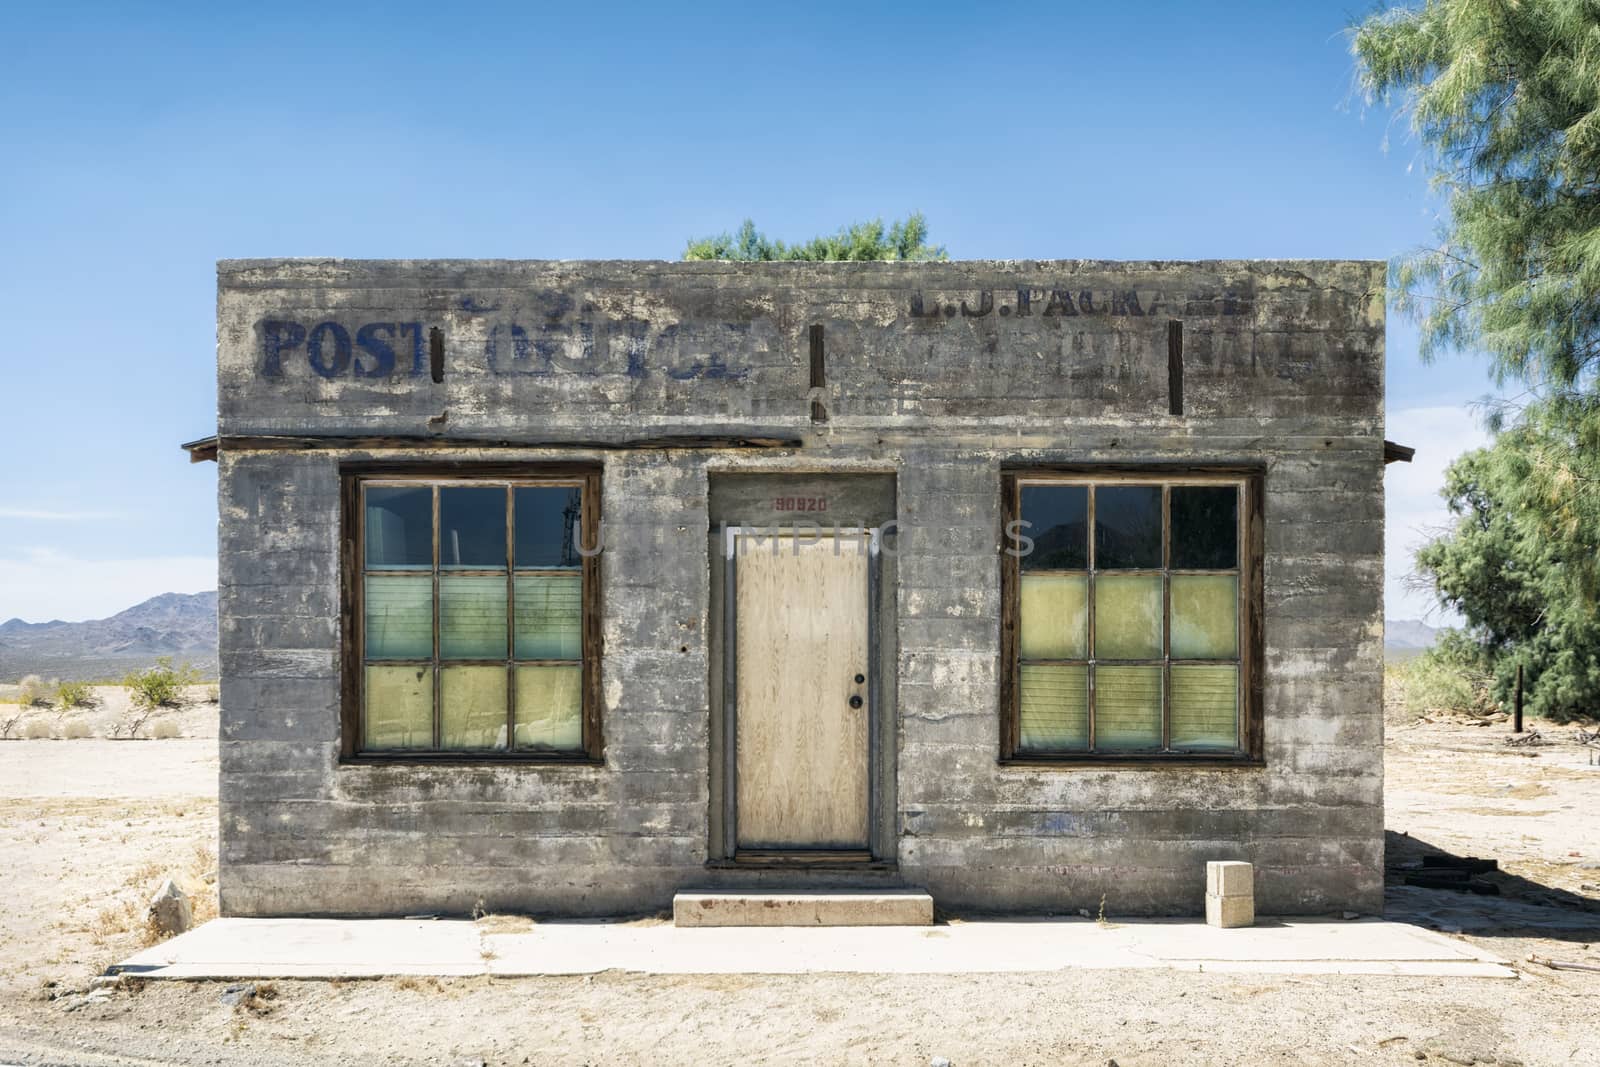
{"x":855,"y":702}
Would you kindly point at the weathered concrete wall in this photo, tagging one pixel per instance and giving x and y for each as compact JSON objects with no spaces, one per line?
{"x":939,"y":372}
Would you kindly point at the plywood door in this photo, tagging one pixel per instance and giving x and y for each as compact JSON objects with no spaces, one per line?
{"x":801,"y":643}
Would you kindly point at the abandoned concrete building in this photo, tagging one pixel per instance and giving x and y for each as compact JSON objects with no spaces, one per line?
{"x":562,"y":587}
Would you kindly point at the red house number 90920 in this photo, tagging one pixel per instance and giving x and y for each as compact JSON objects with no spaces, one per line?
{"x":799,"y":503}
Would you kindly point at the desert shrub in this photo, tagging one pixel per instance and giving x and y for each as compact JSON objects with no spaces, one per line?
{"x":1446,"y":679}
{"x":129,"y":727}
{"x":161,"y":686}
{"x":164,"y":729}
{"x":213,"y":695}
{"x":32,"y":691}
{"x":36,"y":729}
{"x":75,"y":695}
{"x":11,"y":723}
{"x":76,"y":729}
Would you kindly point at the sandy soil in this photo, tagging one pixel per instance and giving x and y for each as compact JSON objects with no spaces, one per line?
{"x":89,"y":827}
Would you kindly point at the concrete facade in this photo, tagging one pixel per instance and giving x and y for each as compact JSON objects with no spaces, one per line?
{"x":937,"y":374}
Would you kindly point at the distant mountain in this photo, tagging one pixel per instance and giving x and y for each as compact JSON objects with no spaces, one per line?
{"x":1408,"y":635}
{"x":180,"y":625}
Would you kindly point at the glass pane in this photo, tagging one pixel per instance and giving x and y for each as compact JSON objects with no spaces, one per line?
{"x":1205,"y":527}
{"x":1127,"y":616}
{"x":548,"y":520}
{"x":399,"y":526}
{"x":1059,"y":527}
{"x":1205,"y":707}
{"x":1055,"y":616}
{"x":1204,"y":610}
{"x":549,"y":616}
{"x":1054,"y":704}
{"x":472,"y":528}
{"x":1127,"y":708}
{"x":399,"y":708}
{"x":550,"y":707}
{"x":472,"y":616}
{"x":399,"y":616}
{"x":1127,"y":527}
{"x":472,"y":707}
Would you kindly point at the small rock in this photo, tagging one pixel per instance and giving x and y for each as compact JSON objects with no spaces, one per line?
{"x":170,"y":912}
{"x":468,"y":1061}
{"x":235,"y":995}
{"x":939,"y":1061}
{"x":104,"y":981}
{"x":1351,"y":915}
{"x":1084,"y":912}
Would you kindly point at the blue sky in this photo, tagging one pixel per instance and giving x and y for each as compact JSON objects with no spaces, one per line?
{"x":144,"y":142}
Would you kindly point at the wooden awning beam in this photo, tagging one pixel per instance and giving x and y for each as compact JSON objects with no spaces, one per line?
{"x":206,"y":448}
{"x":1393,"y":453}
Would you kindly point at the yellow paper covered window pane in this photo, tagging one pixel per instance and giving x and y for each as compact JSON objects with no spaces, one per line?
{"x":549,"y":616}
{"x":1127,"y":708}
{"x":1205,"y":701}
{"x":472,"y":707}
{"x":1205,"y":609}
{"x":1127,"y":616}
{"x":399,"y":708}
{"x":472,"y":617}
{"x":1055,"y":616}
{"x":550,"y":707}
{"x":399,"y":616}
{"x":1054,"y":704}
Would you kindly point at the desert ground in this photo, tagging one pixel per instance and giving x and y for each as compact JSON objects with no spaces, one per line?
{"x":91,"y":825}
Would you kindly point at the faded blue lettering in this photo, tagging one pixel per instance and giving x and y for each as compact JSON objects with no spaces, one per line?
{"x":370,"y":343}
{"x":341,"y":349}
{"x":277,"y":337}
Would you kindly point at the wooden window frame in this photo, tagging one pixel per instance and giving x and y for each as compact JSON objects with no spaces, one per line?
{"x":1250,"y":480}
{"x":352,"y":637}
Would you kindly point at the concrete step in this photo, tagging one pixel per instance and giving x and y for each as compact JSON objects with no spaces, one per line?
{"x":843,"y":907}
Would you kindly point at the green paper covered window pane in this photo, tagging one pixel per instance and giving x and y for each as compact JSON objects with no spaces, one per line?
{"x":399,"y":616}
{"x":472,"y":707}
{"x":1055,"y":616}
{"x":1127,"y":527}
{"x":399,"y":528}
{"x":1057,"y":518}
{"x":1054,"y":704}
{"x":1205,"y":609}
{"x":472,"y":528}
{"x":549,"y":711}
{"x":548,"y":526}
{"x":399,"y":708}
{"x":472,"y":617}
{"x":1127,"y":708}
{"x":1205,"y":704}
{"x":549,"y":611}
{"x":1127,"y":616}
{"x":1205,"y":527}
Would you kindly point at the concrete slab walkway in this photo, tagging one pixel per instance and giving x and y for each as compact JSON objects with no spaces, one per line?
{"x":355,"y":948}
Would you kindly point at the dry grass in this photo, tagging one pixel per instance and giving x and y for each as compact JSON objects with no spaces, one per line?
{"x":504,"y":924}
{"x":414,"y":984}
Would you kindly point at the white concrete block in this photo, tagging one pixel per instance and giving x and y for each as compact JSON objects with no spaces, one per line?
{"x":1230,"y":912}
{"x":1230,"y":878}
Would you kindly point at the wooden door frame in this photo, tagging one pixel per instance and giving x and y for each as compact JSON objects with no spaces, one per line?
{"x":724,"y":845}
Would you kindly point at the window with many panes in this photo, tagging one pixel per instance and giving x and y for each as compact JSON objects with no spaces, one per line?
{"x":1129,"y":602}
{"x":470,"y":609}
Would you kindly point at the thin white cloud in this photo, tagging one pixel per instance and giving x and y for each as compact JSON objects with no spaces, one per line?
{"x":43,"y":515}
{"x":1415,"y":512}
{"x":43,"y":584}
